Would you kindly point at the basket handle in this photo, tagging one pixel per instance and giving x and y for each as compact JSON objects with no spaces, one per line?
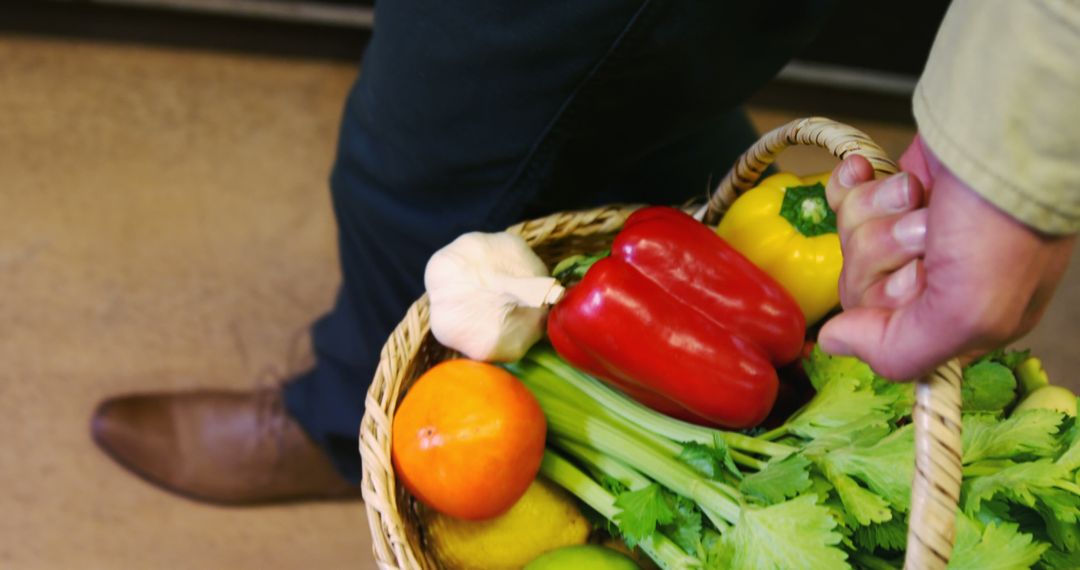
{"x":837,"y":138}
{"x":935,"y":490}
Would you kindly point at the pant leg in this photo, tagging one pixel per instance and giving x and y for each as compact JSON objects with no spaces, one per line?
{"x":468,"y":115}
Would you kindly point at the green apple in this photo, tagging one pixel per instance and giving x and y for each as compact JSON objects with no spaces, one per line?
{"x":1051,"y":397}
{"x":1031,"y":375}
{"x":584,"y":557}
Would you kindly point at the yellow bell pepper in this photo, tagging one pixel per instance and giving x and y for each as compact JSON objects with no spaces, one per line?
{"x":784,"y":225}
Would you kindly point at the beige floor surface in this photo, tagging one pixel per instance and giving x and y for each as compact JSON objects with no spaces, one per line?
{"x":164,"y":223}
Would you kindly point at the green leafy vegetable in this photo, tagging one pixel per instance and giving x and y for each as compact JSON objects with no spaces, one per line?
{"x":1070,"y":456}
{"x":864,"y":561}
{"x":1021,"y":483}
{"x":902,"y":394}
{"x":988,"y":387}
{"x":718,"y":552}
{"x":685,"y":530}
{"x":1063,"y":535}
{"x":1010,"y":359}
{"x":995,"y":547}
{"x":1062,"y":504}
{"x":863,"y":505}
{"x":642,"y":511}
{"x":841,"y":401}
{"x":889,"y":535}
{"x":779,"y":480}
{"x":710,"y":461}
{"x":823,"y":368}
{"x":1059,"y":560}
{"x":886,"y":467}
{"x":612,"y":485}
{"x":762,"y":538}
{"x":1033,"y":432}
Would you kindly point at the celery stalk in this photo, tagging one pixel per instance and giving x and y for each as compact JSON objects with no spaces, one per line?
{"x":605,"y":464}
{"x":646,"y":419}
{"x":658,"y":547}
{"x":718,"y":501}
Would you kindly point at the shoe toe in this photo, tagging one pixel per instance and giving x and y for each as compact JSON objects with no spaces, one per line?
{"x":136,"y":431}
{"x":230,"y":448}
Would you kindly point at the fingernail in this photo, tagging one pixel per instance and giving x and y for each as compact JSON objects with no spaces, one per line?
{"x":910,"y":230}
{"x":892,"y":195}
{"x":902,"y":283}
{"x":847,"y":175}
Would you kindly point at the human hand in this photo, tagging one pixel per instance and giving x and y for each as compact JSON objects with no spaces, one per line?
{"x":931,"y":269}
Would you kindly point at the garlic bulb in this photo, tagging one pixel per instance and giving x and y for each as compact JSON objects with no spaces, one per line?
{"x":489,"y":295}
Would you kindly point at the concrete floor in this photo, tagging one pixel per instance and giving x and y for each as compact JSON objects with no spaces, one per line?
{"x":165,"y":224}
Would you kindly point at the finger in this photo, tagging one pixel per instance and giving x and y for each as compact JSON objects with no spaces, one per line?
{"x":880,"y":247}
{"x":896,"y":194}
{"x":910,"y":341}
{"x":900,"y":344}
{"x":851,"y":172}
{"x":897,"y":288}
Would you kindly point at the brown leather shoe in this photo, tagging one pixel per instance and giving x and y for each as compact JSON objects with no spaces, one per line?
{"x":235,"y":448}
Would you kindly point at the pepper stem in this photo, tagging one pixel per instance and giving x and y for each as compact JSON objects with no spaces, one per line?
{"x":573,"y":268}
{"x":807,"y":210}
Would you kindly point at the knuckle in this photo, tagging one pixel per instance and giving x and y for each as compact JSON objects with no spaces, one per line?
{"x":849,"y":297}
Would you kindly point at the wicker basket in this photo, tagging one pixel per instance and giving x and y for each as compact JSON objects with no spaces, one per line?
{"x":411,"y":350}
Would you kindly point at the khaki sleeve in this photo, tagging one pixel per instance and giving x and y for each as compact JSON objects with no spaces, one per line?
{"x":999,"y":104}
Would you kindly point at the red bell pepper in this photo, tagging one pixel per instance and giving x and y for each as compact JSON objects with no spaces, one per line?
{"x":680,"y":321}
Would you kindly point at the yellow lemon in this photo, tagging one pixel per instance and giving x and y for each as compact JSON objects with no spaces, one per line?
{"x":545,"y":518}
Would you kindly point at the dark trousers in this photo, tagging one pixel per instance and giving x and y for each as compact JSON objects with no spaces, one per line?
{"x":475,"y":115}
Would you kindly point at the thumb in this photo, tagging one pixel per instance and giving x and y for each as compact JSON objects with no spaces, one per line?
{"x":900,"y":344}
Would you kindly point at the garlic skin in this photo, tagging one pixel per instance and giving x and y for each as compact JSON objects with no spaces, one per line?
{"x":489,"y":295}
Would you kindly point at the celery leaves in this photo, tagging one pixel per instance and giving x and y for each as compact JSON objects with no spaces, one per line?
{"x":839,"y":402}
{"x":1021,"y":483}
{"x":1070,"y":457}
{"x":886,"y":467}
{"x":861,"y":504}
{"x":993,"y":547}
{"x":762,"y":539}
{"x":779,"y":480}
{"x":1055,"y":559}
{"x":889,"y":535}
{"x":710,"y":461}
{"x":823,"y":368}
{"x":1033,"y":432}
{"x":642,"y":511}
{"x":685,"y":530}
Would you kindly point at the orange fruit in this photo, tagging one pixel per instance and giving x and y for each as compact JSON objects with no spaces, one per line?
{"x":467,"y":439}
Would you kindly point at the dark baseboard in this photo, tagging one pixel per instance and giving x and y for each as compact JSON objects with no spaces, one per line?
{"x":187,"y":29}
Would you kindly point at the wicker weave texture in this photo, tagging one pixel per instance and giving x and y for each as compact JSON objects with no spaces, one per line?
{"x":411,"y":350}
